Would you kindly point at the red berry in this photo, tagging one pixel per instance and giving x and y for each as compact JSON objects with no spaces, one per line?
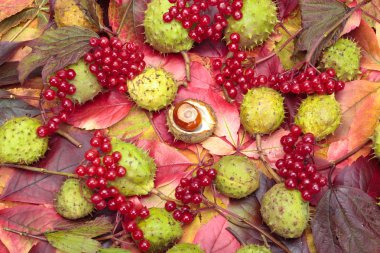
{"x":170,"y":206}
{"x":121,"y":171}
{"x":112,"y":205}
{"x":290,"y":183}
{"x":144,"y":245}
{"x":195,"y":185}
{"x":144,"y":213}
{"x":96,"y":198}
{"x":116,"y":156}
{"x":232,"y":93}
{"x":233,"y":47}
{"x":62,"y":74}
{"x":205,"y":181}
{"x":49,"y":94}
{"x":131,"y":226}
{"x":103,"y":42}
{"x":184,"y":182}
{"x":306,"y":195}
{"x":106,"y":147}
{"x":91,"y":154}
{"x":94,"y":42}
{"x":310,"y":169}
{"x":92,"y":183}
{"x":80,"y":170}
{"x":67,"y":104}
{"x":310,"y":72}
{"x":196,"y":199}
{"x":111,"y":175}
{"x":70,"y":73}
{"x":132,"y":213}
{"x":102,"y":182}
{"x":62,"y":116}
{"x":52,"y":126}
{"x":104,"y":193}
{"x":42,"y":131}
{"x":101,"y":205}
{"x":187,"y":218}
{"x":177,"y":215}
{"x":322,"y":181}
{"x":137,"y":234}
{"x":113,"y":191}
{"x":212,"y":173}
{"x":237,"y":15}
{"x":54,"y":81}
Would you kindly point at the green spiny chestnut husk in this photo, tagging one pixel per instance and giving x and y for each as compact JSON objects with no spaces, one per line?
{"x":73,"y":200}
{"x":185,"y":248}
{"x":164,"y":37}
{"x":344,"y":58}
{"x":153,"y":89}
{"x":140,"y":167}
{"x":160,"y":229}
{"x":376,"y":141}
{"x":253,"y":248}
{"x":262,"y":110}
{"x":19,"y":142}
{"x":86,"y":84}
{"x":237,"y":176}
{"x":259,"y":19}
{"x":284,"y":211}
{"x":319,"y":115}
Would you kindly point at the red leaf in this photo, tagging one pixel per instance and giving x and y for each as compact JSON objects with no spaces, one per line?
{"x":214,"y":238}
{"x":364,"y":174}
{"x":26,"y":218}
{"x":37,"y":188}
{"x":352,"y":22}
{"x":171,"y":164}
{"x":286,"y":7}
{"x":211,"y":49}
{"x":104,"y":111}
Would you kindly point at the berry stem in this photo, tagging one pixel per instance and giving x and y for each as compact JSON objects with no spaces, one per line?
{"x":281,"y":48}
{"x":162,"y":196}
{"x":39,"y":170}
{"x":344,"y":157}
{"x":70,"y":138}
{"x":222,"y":211}
{"x":264,"y":160}
{"x":312,"y":51}
{"x":24,"y":234}
{"x":124,"y":17}
{"x":186,"y":58}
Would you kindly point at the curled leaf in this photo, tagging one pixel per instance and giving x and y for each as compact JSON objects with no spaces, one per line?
{"x":72,"y":243}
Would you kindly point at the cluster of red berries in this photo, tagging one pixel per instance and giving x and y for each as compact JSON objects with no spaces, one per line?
{"x":60,"y":87}
{"x":193,"y":17}
{"x":113,"y":63}
{"x":234,"y":76}
{"x":308,"y":82}
{"x":297,"y":166}
{"x":189,"y":191}
{"x":101,"y":170}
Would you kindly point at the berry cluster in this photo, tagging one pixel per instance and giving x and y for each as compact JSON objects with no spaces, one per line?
{"x":297,"y":166}
{"x":234,"y":74}
{"x":60,"y":87}
{"x":189,"y":191}
{"x":307,"y":82}
{"x":113,"y":63}
{"x":101,"y":170}
{"x":194,"y":18}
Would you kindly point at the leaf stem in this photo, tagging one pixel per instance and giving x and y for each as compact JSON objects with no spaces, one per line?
{"x":124,"y":17}
{"x":264,"y":160}
{"x":24,"y":234}
{"x":39,"y":170}
{"x":186,"y":58}
{"x":292,"y":37}
{"x":70,"y":138}
{"x":371,"y":16}
{"x":332,"y":28}
{"x":162,"y":196}
{"x":344,"y":157}
{"x":247,"y":222}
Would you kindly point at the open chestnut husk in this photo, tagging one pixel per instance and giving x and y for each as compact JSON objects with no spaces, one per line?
{"x":191,"y":121}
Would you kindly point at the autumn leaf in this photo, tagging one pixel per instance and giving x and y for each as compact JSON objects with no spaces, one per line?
{"x":10,"y":7}
{"x":214,"y":238}
{"x":319,"y":19}
{"x":36,"y":188}
{"x":372,"y":8}
{"x":27,"y":218}
{"x":104,"y":111}
{"x":346,"y":220}
{"x":53,"y":53}
{"x":286,"y":7}
{"x":10,"y":108}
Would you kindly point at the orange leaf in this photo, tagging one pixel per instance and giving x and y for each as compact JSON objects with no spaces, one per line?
{"x":11,"y":7}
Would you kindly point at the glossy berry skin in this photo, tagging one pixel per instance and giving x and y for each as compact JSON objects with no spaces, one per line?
{"x":170,"y":206}
{"x":144,"y":245}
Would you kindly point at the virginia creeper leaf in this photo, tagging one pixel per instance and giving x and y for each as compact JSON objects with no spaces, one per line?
{"x":346,"y":220}
{"x":55,"y":49}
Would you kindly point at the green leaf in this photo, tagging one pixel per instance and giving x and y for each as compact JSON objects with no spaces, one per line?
{"x":322,"y":21}
{"x":56,"y":49}
{"x":114,"y":250}
{"x":72,"y":243}
{"x":90,"y":229}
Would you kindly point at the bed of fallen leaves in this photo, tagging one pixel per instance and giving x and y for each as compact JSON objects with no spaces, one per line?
{"x":342,"y":220}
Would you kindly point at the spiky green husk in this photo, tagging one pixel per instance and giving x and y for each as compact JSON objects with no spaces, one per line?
{"x":319,"y":115}
{"x":284,"y":211}
{"x":259,"y":19}
{"x":153,"y":89}
{"x":19,"y":143}
{"x":262,"y":110}
{"x":237,"y":176}
{"x":160,"y":229}
{"x":185,"y":248}
{"x":140,"y":167}
{"x":376,"y":141}
{"x":253,"y":248}
{"x":87,"y":86}
{"x":73,"y":200}
{"x":344,"y":57}
{"x":164,"y":37}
